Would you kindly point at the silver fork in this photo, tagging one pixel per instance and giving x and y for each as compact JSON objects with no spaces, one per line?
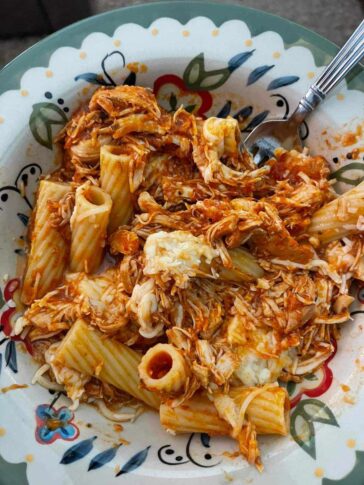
{"x":271,"y":134}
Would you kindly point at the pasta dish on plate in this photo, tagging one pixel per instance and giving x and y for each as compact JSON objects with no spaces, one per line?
{"x":166,"y":271}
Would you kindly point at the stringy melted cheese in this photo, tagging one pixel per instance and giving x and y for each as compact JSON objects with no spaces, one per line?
{"x":177,"y":253}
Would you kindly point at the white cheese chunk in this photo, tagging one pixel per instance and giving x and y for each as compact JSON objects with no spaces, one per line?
{"x":176,"y":253}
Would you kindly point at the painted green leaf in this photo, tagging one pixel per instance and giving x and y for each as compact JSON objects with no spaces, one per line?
{"x":317,"y":412}
{"x":44,"y":116}
{"x":190,"y":108}
{"x":2,"y":301}
{"x":173,"y":102}
{"x":311,"y":377}
{"x":291,"y":387}
{"x":307,"y":412}
{"x":340,"y":177}
{"x":214,"y":79}
{"x":197,"y":78}
{"x":303,"y":432}
{"x":194,"y":69}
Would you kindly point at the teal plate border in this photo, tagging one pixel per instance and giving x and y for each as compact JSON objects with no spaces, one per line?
{"x":144,"y":15}
{"x":12,"y":473}
{"x":183,"y":11}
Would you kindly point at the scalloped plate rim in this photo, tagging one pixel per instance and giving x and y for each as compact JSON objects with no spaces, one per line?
{"x":32,"y":51}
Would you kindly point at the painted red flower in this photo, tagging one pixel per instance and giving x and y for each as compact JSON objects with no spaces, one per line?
{"x":7,"y":319}
{"x":314,"y":385}
{"x":171,"y":91}
{"x":9,"y":305}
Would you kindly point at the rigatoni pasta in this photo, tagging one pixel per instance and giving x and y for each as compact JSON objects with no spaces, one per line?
{"x":114,"y":179}
{"x":85,"y":350}
{"x":197,"y":283}
{"x":48,"y":254}
{"x":341,"y":217}
{"x":198,"y":415}
{"x":268,"y":412}
{"x":89,"y":223}
{"x":164,"y":369}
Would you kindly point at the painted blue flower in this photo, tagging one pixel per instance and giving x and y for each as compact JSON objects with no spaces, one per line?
{"x":53,"y":424}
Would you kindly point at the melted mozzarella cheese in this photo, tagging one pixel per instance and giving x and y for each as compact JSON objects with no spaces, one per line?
{"x":177,"y":253}
{"x":256,"y":371}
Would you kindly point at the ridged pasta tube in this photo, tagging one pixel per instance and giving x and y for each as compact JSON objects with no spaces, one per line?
{"x":48,"y":254}
{"x":268,"y":411}
{"x":163,"y":369}
{"x":86,"y":350}
{"x":198,"y":415}
{"x":114,"y":179}
{"x":340,"y":217}
{"x":88,"y":226}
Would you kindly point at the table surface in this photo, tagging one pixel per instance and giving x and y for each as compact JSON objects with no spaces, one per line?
{"x":333,"y":19}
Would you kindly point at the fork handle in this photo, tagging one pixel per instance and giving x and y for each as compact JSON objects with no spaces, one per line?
{"x":348,"y":56}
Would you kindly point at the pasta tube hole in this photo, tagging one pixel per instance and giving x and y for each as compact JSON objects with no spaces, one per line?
{"x":163,"y":368}
{"x":94,"y":196}
{"x":115,"y":149}
{"x":160,"y":365}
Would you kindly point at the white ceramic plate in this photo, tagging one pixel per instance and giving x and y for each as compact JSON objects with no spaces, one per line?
{"x":214,"y":68}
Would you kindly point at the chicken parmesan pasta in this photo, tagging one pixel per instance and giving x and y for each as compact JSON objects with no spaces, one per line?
{"x":48,"y":254}
{"x":166,"y":271}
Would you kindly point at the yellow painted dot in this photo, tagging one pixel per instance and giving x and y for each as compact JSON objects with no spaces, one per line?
{"x":185,"y":33}
{"x":133,"y":66}
{"x":117,"y":43}
{"x":24,"y":92}
{"x":83,"y":55}
{"x":215,"y":32}
{"x":248,"y":42}
{"x":340,"y":97}
{"x":48,"y":73}
{"x":349,"y":399}
{"x":2,"y":431}
{"x":319,"y":472}
{"x":310,"y":74}
{"x":85,"y":91}
{"x":29,"y":458}
{"x":276,"y":55}
{"x":351,"y":443}
{"x":2,"y":120}
{"x":155,"y":31}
